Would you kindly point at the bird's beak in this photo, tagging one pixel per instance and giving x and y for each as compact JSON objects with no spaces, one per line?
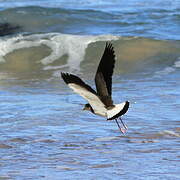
{"x":85,"y":109}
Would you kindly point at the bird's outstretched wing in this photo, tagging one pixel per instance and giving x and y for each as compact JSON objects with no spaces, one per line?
{"x":103,"y":78}
{"x":85,"y":91}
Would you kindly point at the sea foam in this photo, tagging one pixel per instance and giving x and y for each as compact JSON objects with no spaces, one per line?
{"x":74,"y":46}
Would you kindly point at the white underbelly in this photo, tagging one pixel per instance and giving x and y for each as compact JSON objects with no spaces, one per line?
{"x":101,"y":113}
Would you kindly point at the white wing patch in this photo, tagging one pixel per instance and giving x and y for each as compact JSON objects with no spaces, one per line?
{"x":93,"y":99}
{"x":115,"y":110}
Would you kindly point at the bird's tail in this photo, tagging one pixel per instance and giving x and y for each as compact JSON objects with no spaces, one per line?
{"x":118,"y":110}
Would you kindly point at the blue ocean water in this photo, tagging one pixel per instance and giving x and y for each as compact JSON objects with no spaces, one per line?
{"x":157,"y":19}
{"x":44,"y":132}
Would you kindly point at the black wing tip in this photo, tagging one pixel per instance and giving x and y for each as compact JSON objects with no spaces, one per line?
{"x":67,"y":77}
{"x":109,"y":48}
{"x":70,"y":78}
{"x":108,"y":43}
{"x":63,"y":76}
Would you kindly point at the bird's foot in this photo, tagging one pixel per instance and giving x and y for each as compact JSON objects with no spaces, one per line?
{"x":123,"y":130}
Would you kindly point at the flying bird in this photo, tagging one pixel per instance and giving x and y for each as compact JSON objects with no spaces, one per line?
{"x":100,"y":101}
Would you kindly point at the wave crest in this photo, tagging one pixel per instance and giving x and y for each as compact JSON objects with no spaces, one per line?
{"x":52,"y":52}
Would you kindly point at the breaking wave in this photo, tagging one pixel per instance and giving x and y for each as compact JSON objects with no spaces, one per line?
{"x":47,"y":54}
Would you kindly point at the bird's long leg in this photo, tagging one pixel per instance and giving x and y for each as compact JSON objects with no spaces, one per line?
{"x":121,"y":129}
{"x":123,"y":123}
{"x":118,"y":124}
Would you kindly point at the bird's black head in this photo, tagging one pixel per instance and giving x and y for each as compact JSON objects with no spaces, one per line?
{"x":87,"y":107}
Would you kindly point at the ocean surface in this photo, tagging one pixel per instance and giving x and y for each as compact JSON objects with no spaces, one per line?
{"x":44,"y":134}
